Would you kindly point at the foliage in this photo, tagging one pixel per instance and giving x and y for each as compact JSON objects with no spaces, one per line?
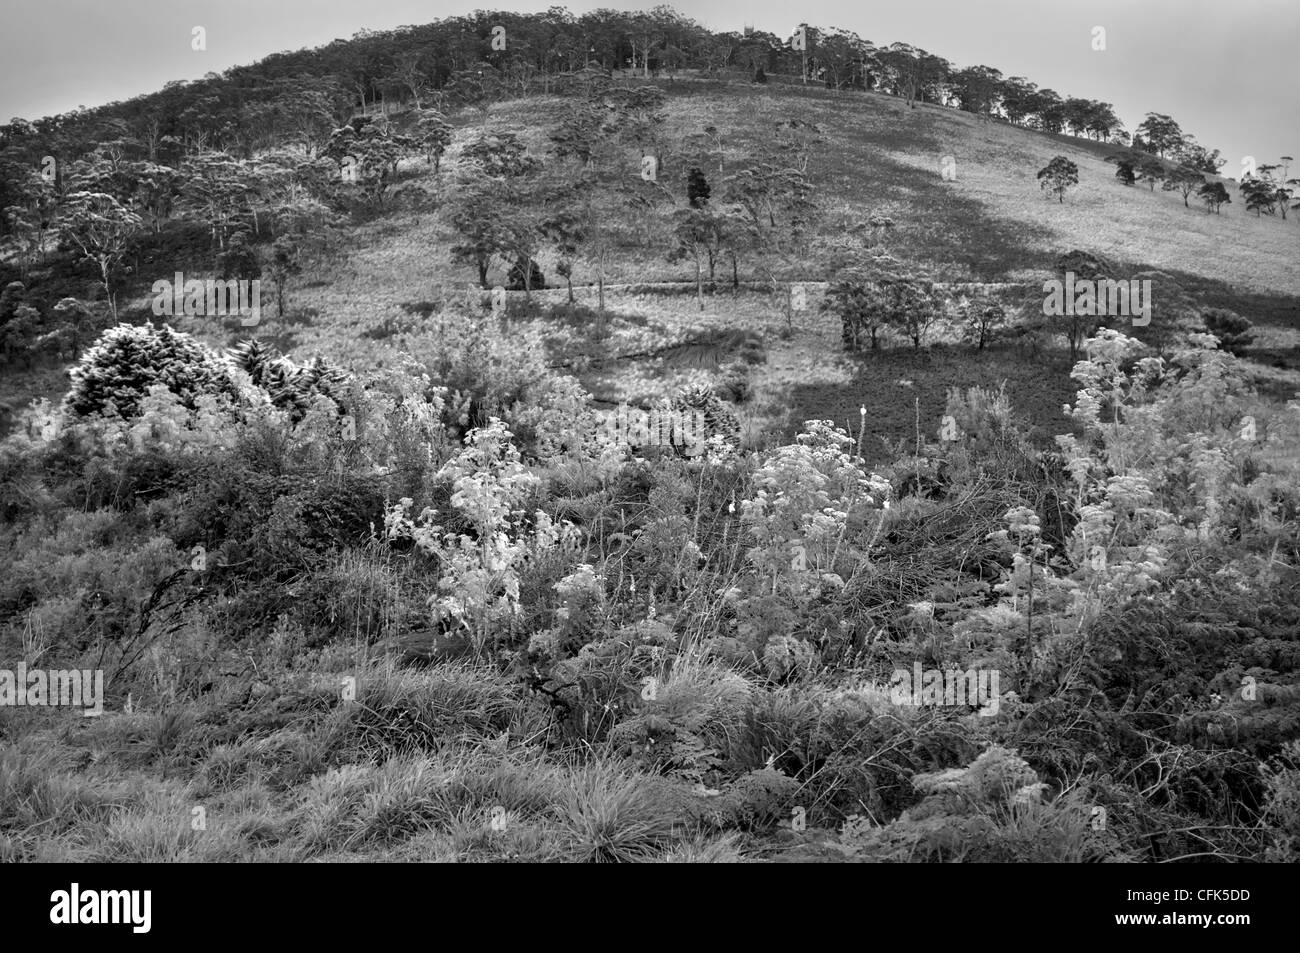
{"x":115,"y":374}
{"x":1058,"y":176}
{"x":1232,"y":330}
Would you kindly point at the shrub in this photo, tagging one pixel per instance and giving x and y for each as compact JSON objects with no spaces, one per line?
{"x":990,"y":811}
{"x":697,"y":188}
{"x":290,"y":387}
{"x":1232,"y":330}
{"x":126,"y":361}
{"x":515,"y":280}
{"x":719,"y":421}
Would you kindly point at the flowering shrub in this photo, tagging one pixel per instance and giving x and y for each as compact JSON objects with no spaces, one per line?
{"x":481,"y":565}
{"x":798,"y":515}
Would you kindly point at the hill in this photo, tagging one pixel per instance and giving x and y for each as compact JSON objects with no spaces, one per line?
{"x":630,"y":467}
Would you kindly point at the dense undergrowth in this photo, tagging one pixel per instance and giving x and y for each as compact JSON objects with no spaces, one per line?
{"x":436,"y":614}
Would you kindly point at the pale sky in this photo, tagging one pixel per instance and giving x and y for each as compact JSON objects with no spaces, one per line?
{"x":1226,"y":71}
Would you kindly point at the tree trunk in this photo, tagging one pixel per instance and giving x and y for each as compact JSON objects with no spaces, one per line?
{"x":112,"y":300}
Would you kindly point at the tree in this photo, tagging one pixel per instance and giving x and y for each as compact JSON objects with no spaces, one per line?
{"x":477,"y":85}
{"x":79,"y":322}
{"x":368,"y":155}
{"x":646,"y":33}
{"x":838,"y":56}
{"x":1124,"y":168}
{"x":598,"y":239}
{"x":864,"y":297}
{"x":1049,"y":108}
{"x":1085,"y":266}
{"x":155,"y":192}
{"x":1214,"y":195}
{"x":588,"y":127}
{"x":794,"y":142}
{"x":19,"y":332}
{"x":914,"y":73}
{"x":565,"y":233}
{"x":434,"y":134}
{"x":1057,"y":176}
{"x":984,"y":323}
{"x":282,"y":265}
{"x":1264,"y":193}
{"x":519,"y":279}
{"x":1259,"y":194}
{"x":409,"y":71}
{"x":1184,"y":180}
{"x":673,"y":59}
{"x":909,"y":307}
{"x":1151,"y":171}
{"x":30,"y":219}
{"x":754,"y":53}
{"x":1161,"y":133}
{"x":482,"y":214}
{"x":310,"y":224}
{"x":1101,"y":122}
{"x":638,"y":118}
{"x":977,"y":89}
{"x":767,"y":186}
{"x":1195,"y":156}
{"x":698,"y":237}
{"x":697,"y":188}
{"x":1018,"y":99}
{"x":214,"y":188}
{"x":102,"y":230}
{"x":501,"y":155}
{"x":239,"y":260}
{"x":737,"y":236}
{"x":858,"y":307}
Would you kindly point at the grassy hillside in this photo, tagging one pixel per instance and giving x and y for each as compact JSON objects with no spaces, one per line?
{"x":417,"y":607}
{"x":993,"y":224}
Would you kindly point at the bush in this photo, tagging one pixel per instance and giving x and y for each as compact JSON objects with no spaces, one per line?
{"x":719,"y":421}
{"x":515,"y":280}
{"x":290,"y":387}
{"x":1232,"y":330}
{"x":126,"y":361}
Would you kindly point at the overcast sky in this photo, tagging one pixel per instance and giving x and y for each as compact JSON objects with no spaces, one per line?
{"x":1226,"y":71}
